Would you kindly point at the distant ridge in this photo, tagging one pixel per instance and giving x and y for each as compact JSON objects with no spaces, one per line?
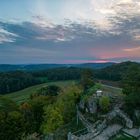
{"x":34,"y":67}
{"x":115,"y":72}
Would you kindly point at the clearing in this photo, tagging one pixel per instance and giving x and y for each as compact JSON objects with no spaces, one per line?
{"x":23,"y":95}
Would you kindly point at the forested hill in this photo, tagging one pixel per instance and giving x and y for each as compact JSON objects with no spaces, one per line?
{"x":36,"y":67}
{"x":17,"y":80}
{"x":116,"y":71}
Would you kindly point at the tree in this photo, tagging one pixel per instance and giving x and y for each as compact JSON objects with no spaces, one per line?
{"x":13,"y":81}
{"x":50,"y":90}
{"x":104,"y":103}
{"x":87,"y":79}
{"x":62,"y":111}
{"x":131,"y":88}
{"x":131,"y":80}
{"x":7,"y":105}
{"x":12,"y":123}
{"x":12,"y":127}
{"x":53,"y":119}
{"x":37,"y":105}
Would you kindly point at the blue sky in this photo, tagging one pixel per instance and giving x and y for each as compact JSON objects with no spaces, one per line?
{"x":69,"y":31}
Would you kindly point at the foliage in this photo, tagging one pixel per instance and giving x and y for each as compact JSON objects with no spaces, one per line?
{"x":33,"y":112}
{"x":25,"y":94}
{"x":131,"y":87}
{"x":62,"y":111}
{"x":7,"y":105}
{"x":51,"y":90}
{"x":14,"y":81}
{"x":87,"y":79}
{"x":40,"y":113}
{"x":131,"y":80}
{"x":104,"y":103}
{"x":12,"y":126}
{"x":57,"y":74}
{"x":114,"y":72}
{"x":37,"y":105}
{"x":53,"y":119}
{"x":67,"y":105}
{"x":91,"y":91}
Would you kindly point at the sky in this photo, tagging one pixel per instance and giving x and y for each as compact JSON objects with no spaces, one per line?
{"x":69,"y":31}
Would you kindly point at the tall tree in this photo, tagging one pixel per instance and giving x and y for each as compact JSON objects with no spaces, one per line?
{"x":53,"y":119}
{"x":131,"y":87}
{"x":87,"y":79}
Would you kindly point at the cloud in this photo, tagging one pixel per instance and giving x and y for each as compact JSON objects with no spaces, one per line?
{"x":42,"y":22}
{"x":109,"y":11}
{"x":103,"y":32}
{"x":6,"y":36}
{"x":134,"y":49}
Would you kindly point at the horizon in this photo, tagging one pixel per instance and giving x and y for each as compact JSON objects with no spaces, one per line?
{"x":69,"y":31}
{"x":61,"y":63}
{"x":69,"y":63}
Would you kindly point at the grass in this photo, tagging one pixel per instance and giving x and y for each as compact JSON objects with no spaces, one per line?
{"x":23,"y":95}
{"x":110,"y":89}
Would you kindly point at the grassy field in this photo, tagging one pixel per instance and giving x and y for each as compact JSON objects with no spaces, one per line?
{"x":115,"y":91}
{"x":23,"y":95}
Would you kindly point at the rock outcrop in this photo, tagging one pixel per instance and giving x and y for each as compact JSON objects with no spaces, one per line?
{"x":90,"y":105}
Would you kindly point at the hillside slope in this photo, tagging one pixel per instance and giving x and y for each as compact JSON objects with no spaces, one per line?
{"x":23,"y":95}
{"x":116,"y":71}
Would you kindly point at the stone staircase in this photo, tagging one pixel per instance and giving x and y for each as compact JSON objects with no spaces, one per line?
{"x":129,"y":122}
{"x":93,"y":129}
{"x":100,"y":130}
{"x":108,"y":132}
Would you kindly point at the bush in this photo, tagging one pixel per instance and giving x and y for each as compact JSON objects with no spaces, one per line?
{"x":104,"y":103}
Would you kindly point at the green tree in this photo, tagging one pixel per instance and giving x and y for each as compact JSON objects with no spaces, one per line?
{"x":12,"y":126}
{"x":7,"y":105}
{"x":87,"y":79}
{"x":131,"y":88}
{"x":53,"y":119}
{"x":62,"y":111}
{"x":37,"y":105}
{"x":67,"y":103}
{"x":104,"y":103}
{"x":12,"y":123}
{"x":131,"y":80}
{"x":16,"y":80}
{"x":50,"y":90}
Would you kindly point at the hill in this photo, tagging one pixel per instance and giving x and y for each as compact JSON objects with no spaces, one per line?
{"x":36,"y":67}
{"x":116,"y":71}
{"x":23,"y":95}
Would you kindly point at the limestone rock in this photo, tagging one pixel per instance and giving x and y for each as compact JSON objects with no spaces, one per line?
{"x":82,"y":105}
{"x":92,"y":105}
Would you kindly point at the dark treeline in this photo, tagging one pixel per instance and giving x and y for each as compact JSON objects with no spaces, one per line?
{"x":114,"y":72}
{"x":14,"y":81}
{"x":56,"y":74}
{"x":110,"y":73}
{"x":17,"y":80}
